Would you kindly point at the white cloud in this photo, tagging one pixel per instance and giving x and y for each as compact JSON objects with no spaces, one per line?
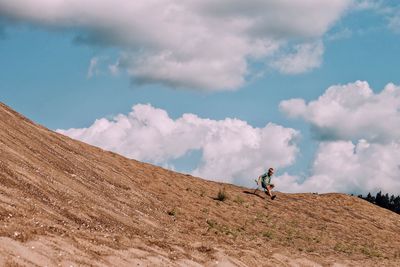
{"x":232,"y":150}
{"x":342,"y":166}
{"x":306,"y":57}
{"x":197,"y":44}
{"x":351,"y":112}
{"x":360,"y":133}
{"x":93,"y":67}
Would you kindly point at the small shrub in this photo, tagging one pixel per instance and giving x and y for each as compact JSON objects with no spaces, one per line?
{"x":268,"y":234}
{"x":310,"y":249}
{"x":205,"y":249}
{"x":211,"y":224}
{"x":259,"y":216}
{"x":172,"y":212}
{"x":309,"y":239}
{"x":241,"y":228}
{"x":294,"y":223}
{"x":222,"y":196}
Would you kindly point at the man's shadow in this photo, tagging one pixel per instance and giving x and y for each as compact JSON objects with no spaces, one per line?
{"x":253,"y":192}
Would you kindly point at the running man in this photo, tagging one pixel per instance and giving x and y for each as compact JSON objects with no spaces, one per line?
{"x":265,"y":181}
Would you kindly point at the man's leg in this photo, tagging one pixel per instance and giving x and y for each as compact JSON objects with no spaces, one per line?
{"x":258,"y":184}
{"x":269,"y":191}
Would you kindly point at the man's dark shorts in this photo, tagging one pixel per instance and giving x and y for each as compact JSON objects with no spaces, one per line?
{"x":264,"y":185}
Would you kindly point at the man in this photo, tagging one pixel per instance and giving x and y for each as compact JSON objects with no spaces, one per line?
{"x":265,"y":181}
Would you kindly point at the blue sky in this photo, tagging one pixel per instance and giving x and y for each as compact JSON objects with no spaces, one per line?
{"x":46,"y":75}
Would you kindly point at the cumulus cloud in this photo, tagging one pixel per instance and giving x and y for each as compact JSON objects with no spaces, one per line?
{"x":359,"y":134}
{"x":232,"y":150}
{"x":197,"y":44}
{"x":351,"y":112}
{"x":342,"y":166}
{"x":306,"y":57}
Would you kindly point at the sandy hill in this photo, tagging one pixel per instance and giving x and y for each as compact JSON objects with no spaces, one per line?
{"x":63,"y":203}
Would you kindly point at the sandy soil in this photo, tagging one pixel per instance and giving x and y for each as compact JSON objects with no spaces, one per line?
{"x":63,"y":203}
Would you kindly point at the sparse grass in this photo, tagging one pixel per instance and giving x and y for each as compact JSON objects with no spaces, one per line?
{"x":261,"y":217}
{"x":294,"y":223}
{"x":241,"y":228}
{"x":371,"y":251}
{"x":310,"y":249}
{"x":290,"y":233}
{"x":343,"y":248}
{"x":268,"y":234}
{"x":205,"y":210}
{"x":222,"y":196}
{"x":316,"y":239}
{"x":202,"y":193}
{"x":211,"y":223}
{"x":238,"y":200}
{"x":312,"y":239}
{"x":288,"y":241}
{"x":223,"y":229}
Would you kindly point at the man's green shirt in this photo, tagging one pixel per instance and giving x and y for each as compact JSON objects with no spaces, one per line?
{"x":265,"y":179}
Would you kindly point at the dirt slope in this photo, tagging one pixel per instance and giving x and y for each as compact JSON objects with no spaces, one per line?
{"x":63,"y":202}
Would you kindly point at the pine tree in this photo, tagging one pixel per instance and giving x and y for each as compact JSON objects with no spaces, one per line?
{"x":370,"y":198}
{"x":383,"y":200}
{"x":378,"y":199}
